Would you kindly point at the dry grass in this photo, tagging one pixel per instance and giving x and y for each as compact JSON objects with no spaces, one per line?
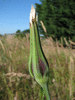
{"x":72,"y":76}
{"x":52,"y":47}
{"x":14,"y":58}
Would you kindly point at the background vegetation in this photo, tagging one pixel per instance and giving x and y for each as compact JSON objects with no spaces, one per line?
{"x":15,"y":80}
{"x":58,"y":18}
{"x":22,"y":34}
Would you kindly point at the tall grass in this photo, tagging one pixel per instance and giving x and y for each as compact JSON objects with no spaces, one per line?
{"x":15,"y":81}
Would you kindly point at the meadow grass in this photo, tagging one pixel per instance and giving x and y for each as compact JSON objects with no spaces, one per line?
{"x":15,"y":80}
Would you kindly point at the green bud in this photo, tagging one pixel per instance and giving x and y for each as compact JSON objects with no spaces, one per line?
{"x":38,"y":66}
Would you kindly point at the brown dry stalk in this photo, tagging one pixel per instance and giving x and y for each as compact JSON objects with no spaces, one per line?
{"x":62,"y":41}
{"x":56,"y":43}
{"x":71,"y":42}
{"x":13,"y":74}
{"x":51,"y":41}
{"x":71,"y":72}
{"x":16,"y":46}
{"x":66,"y":42}
{"x":27,"y":37}
{"x":44,"y":27}
{"x":16,"y":96}
{"x":10,"y":53}
{"x":2,"y":45}
{"x":57,"y":46}
{"x":10,"y":70}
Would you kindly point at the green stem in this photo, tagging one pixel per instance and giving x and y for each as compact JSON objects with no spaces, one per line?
{"x":46,"y":92}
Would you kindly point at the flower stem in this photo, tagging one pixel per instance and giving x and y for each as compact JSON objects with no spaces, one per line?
{"x":46,"y":92}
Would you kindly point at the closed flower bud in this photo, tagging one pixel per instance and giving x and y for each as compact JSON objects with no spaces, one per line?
{"x":38,"y":66}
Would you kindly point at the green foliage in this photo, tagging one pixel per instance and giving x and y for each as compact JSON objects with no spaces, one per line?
{"x":0,"y":34}
{"x":58,"y":17}
{"x":73,"y":39}
{"x":22,"y":34}
{"x":25,"y":31}
{"x":18,"y":31}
